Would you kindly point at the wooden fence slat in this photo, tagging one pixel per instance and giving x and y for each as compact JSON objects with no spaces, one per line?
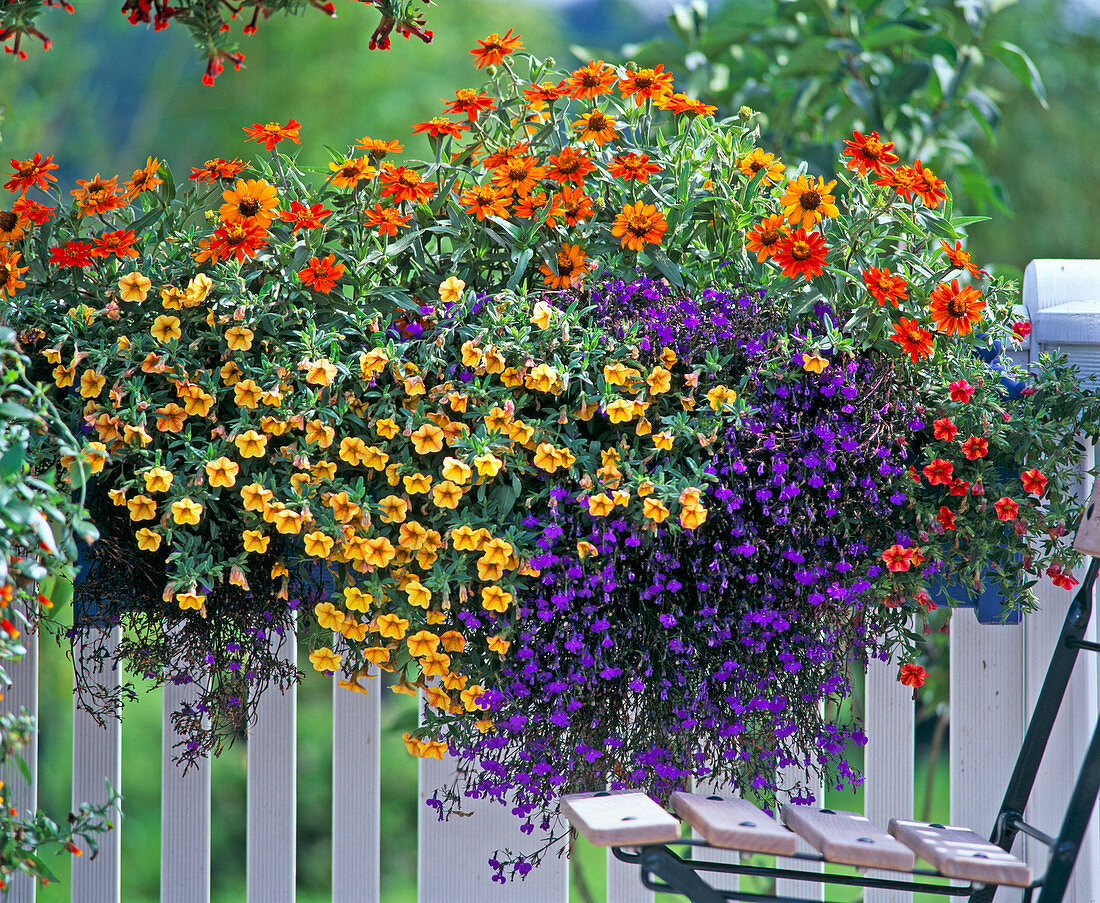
{"x":470,"y":842}
{"x":18,"y":792}
{"x":888,"y":760}
{"x":97,"y":759}
{"x":356,"y":822}
{"x":272,"y":791}
{"x":184,"y":815}
{"x":810,"y":890}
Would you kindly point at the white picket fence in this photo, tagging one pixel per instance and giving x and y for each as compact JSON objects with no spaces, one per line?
{"x":996,"y":673}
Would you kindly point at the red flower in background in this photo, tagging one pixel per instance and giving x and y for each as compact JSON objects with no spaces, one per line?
{"x":32,"y":210}
{"x":885,"y":286}
{"x":959,"y":487}
{"x":939,"y":472}
{"x":1021,"y":329}
{"x":117,"y":243}
{"x":961,"y":390}
{"x":913,"y":338}
{"x":945,"y":430}
{"x":960,"y":259}
{"x":1033,"y":481}
{"x":304,"y":217}
{"x":911,"y":675}
{"x":470,"y":103}
{"x":946,"y":518}
{"x":322,"y":274}
{"x":72,"y":254}
{"x":975,"y":447}
{"x":272,"y":133}
{"x":869,"y":152}
{"x":898,"y":557}
{"x":34,"y":172}
{"x":213,"y":170}
{"x":1059,"y":578}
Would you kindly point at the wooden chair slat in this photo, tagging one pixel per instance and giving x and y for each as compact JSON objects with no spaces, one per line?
{"x":849,"y":838}
{"x":960,"y":853}
{"x":734,"y":824}
{"x":619,"y":819}
{"x":1087,"y":539}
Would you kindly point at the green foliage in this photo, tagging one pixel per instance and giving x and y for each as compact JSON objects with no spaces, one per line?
{"x":920,"y":74}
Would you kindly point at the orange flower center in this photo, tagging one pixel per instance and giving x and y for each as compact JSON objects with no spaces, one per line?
{"x":466,"y":95}
{"x":235,"y":235}
{"x":957,"y":306}
{"x":248,"y":207}
{"x":408,"y":179}
{"x":641,"y":82}
{"x":801,"y":250}
{"x":872,"y":149}
{"x":809,"y":200}
{"x":597,"y":121}
{"x":914,"y":337}
{"x":769,"y":236}
{"x":26,"y":168}
{"x":638,"y":225}
{"x":8,"y":220}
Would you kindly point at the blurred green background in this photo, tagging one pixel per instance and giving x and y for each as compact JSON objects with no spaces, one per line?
{"x":109,"y":95}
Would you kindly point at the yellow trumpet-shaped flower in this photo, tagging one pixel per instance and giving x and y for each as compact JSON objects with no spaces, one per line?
{"x":540,"y":315}
{"x":239,"y":338}
{"x":247,"y":394}
{"x":251,"y":444}
{"x":148,"y":540}
{"x":324,"y":659}
{"x":357,"y":600}
{"x":255,"y":497}
{"x":328,"y":616}
{"x":166,"y":328}
{"x":427,"y":439}
{"x":493,"y":598}
{"x":387,"y":428}
{"x":691,"y":518}
{"x":435,"y":664}
{"x":222,"y":472}
{"x":392,"y":627}
{"x":255,"y":541}
{"x":91,"y":384}
{"x":319,"y":434}
{"x":318,"y":544}
{"x":418,"y":594}
{"x":393,"y":509}
{"x":191,"y":600}
{"x":447,"y":495}
{"x":453,"y":641}
{"x":380,"y":552}
{"x":488,"y":465}
{"x":142,"y":508}
{"x":422,"y":643}
{"x":600,"y":505}
{"x":655,"y":510}
{"x":134,"y":287}
{"x":659,"y":381}
{"x":186,"y":511}
{"x":157,"y":479}
{"x":413,"y":536}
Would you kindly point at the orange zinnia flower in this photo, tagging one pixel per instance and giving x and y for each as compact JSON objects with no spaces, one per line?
{"x":251,"y":201}
{"x":495,"y":48}
{"x":914,"y":341}
{"x":903,"y":180}
{"x":403,"y":184}
{"x":117,"y":243}
{"x":323,"y":274}
{"x":32,"y":210}
{"x":386,"y":220}
{"x":240,"y":240}
{"x":595,"y":125}
{"x":377,"y":149}
{"x":437,"y":127}
{"x":569,"y":166}
{"x":538,"y":96}
{"x":570,"y":270}
{"x":505,"y":154}
{"x":639,"y":224}
{"x":646,"y":84}
{"x":764,"y":238}
{"x":633,"y":166}
{"x":960,"y":259}
{"x":802,"y":253}
{"x":868,"y":152}
{"x":303,"y":217}
{"x":533,"y":204}
{"x":575,"y":205}
{"x":144,"y":179}
{"x":518,"y":175}
{"x":217,"y":169}
{"x":681,"y":104}
{"x":272,"y":133}
{"x":758,"y":160}
{"x":806,"y":203}
{"x":591,"y":80}
{"x":98,"y":195}
{"x":12,"y":226}
{"x":350,"y":171}
{"x":34,"y":172}
{"x":485,"y":200}
{"x":10,"y":272}
{"x":930,"y":189}
{"x":956,"y":310}
{"x":885,"y":286}
{"x":469,"y":102}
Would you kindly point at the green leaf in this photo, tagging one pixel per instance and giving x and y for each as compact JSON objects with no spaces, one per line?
{"x":1016,"y":61}
{"x":12,"y":461}
{"x":522,"y":259}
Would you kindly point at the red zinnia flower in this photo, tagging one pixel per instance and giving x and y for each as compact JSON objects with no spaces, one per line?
{"x":34,"y":172}
{"x":272,"y":133}
{"x":72,"y":254}
{"x":117,"y":243}
{"x":868,"y":152}
{"x":304,"y":217}
{"x":638,"y":224}
{"x":213,"y":170}
{"x":765,"y":237}
{"x":575,"y":205}
{"x":569,"y":166}
{"x":930,"y":189}
{"x":945,"y":430}
{"x":38,"y":213}
{"x":468,"y":101}
{"x":592,"y":79}
{"x":898,"y":557}
{"x":1033,"y":481}
{"x":437,"y":127}
{"x":403,"y":184}
{"x":241,"y":240}
{"x":495,"y":48}
{"x":1006,"y":508}
{"x":939,"y":472}
{"x":323,"y":274}
{"x":912,"y":675}
{"x":645,"y":84}
{"x":633,"y":166}
{"x":913,"y":338}
{"x":960,"y":259}
{"x":485,"y":200}
{"x":954,"y":309}
{"x":961,"y":390}
{"x":975,"y":447}
{"x":802,"y":253}
{"x":387,"y":220}
{"x":885,"y":286}
{"x":946,"y":518}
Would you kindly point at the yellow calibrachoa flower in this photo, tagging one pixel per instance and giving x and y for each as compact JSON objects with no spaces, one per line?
{"x":447,"y":495}
{"x":720,"y":396}
{"x":134,"y":287}
{"x":194,"y":600}
{"x":690,"y":518}
{"x":287,"y":521}
{"x":222,"y":472}
{"x":427,"y":439}
{"x":417,"y":483}
{"x":357,"y":600}
{"x":255,"y":541}
{"x":380,"y":552}
{"x":354,"y":630}
{"x":435,"y":664}
{"x":148,"y":540}
{"x":186,"y":511}
{"x":418,"y":594}
{"x":540,"y":315}
{"x":230,"y":373}
{"x":328,"y":616}
{"x":117,"y":497}
{"x":91,"y":384}
{"x":352,"y":450}
{"x":659,"y":381}
{"x":166,"y":328}
{"x":494,"y":363}
{"x":393,"y":509}
{"x":142,"y":508}
{"x":135,"y":434}
{"x":585,"y":550}
{"x":814,"y":362}
{"x":436,"y":697}
{"x":157,"y":479}
{"x":619,"y":374}
{"x":600,"y":505}
{"x":376,"y":655}
{"x":95,"y":453}
{"x":453,"y":641}
{"x":343,"y":508}
{"x":239,"y":338}
{"x":373,"y":361}
{"x":488,"y":465}
{"x":471,"y":355}
{"x":493,"y":598}
{"x":319,"y":372}
{"x":273,"y":426}
{"x":251,"y":444}
{"x":655,"y":510}
{"x":63,"y":376}
{"x":521,"y":433}
{"x":413,"y":536}
{"x":456,"y":471}
{"x":465,"y":539}
{"x":663,"y":441}
{"x":247,"y":394}
{"x":255,"y":497}
{"x":196,"y":403}
{"x":471,"y":697}
{"x":324,"y":659}
{"x":374,"y":458}
{"x":422,"y":643}
{"x":620,"y":411}
{"x":391,"y":626}
{"x":499,"y":645}
{"x":546,"y":457}
{"x":319,"y":434}
{"x":451,"y":289}
{"x":318,"y":544}
{"x":387,"y":428}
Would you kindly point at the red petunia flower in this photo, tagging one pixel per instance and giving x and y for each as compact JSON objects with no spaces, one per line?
{"x":1021,"y":329}
{"x":911,"y":675}
{"x":1059,"y":578}
{"x":938,"y":472}
{"x":1006,"y":508}
{"x":961,"y":390}
{"x":975,"y":447}
{"x":946,"y":518}
{"x":1033,"y":481}
{"x":898,"y":557}
{"x":945,"y":430}
{"x":959,"y":487}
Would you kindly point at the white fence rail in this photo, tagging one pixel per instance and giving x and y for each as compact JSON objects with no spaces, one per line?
{"x":996,"y":672}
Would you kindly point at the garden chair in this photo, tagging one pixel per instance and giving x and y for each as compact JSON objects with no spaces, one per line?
{"x":641,"y":832}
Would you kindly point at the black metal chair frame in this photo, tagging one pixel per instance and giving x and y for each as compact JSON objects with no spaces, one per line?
{"x":665,"y":871}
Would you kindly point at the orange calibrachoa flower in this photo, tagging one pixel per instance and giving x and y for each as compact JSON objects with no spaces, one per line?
{"x":403,"y":184}
{"x":639,"y":224}
{"x":322,"y":275}
{"x":806,"y":202}
{"x":34,"y":172}
{"x":914,"y":340}
{"x":911,"y":675}
{"x":646,"y":84}
{"x":485,"y":200}
{"x":495,"y":48}
{"x":802,"y":253}
{"x":272,"y":133}
{"x":765,"y":238}
{"x":470,"y":103}
{"x":387,"y":220}
{"x":570,"y":268}
{"x":597,"y":126}
{"x":954,"y":309}
{"x":885,"y":286}
{"x":868,"y":152}
{"x":591,"y":80}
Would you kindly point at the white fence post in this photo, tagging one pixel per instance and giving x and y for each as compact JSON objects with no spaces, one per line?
{"x":810,"y":890}
{"x":18,"y":792}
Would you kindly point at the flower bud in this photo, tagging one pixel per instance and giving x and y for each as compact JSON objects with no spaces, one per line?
{"x":746,"y":113}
